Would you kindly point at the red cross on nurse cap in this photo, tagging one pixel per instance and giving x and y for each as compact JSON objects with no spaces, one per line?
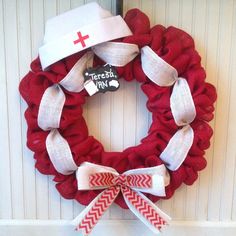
{"x":78,"y":29}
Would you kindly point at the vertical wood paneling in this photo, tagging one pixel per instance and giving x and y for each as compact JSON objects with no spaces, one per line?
{"x":5,"y":174}
{"x":24,"y":51}
{"x":213,"y":16}
{"x":227,"y":190}
{"x":172,"y":12}
{"x":159,"y":11}
{"x":222,"y":108}
{"x":120,"y":119}
{"x":147,"y":8}
{"x":198,"y":31}
{"x":13,"y":103}
{"x":203,"y":182}
{"x":231,"y":129}
{"x":186,"y":11}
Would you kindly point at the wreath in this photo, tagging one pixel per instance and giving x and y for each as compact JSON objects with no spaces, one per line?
{"x":175,"y":140}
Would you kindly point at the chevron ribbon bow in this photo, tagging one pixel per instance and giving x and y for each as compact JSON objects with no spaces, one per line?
{"x":131,"y":183}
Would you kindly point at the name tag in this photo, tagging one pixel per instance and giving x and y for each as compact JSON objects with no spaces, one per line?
{"x":101,"y":79}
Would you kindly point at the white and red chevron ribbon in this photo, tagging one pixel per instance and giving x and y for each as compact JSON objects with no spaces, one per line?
{"x":131,"y":183}
{"x":107,"y":179}
{"x":143,"y":207}
{"x":100,"y":206}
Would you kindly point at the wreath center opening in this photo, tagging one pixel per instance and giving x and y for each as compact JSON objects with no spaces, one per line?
{"x":118,"y":119}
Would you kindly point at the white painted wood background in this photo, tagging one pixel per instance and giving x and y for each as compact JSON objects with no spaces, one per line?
{"x":29,"y":203}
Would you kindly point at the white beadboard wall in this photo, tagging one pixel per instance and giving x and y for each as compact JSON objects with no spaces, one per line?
{"x":29,"y":203}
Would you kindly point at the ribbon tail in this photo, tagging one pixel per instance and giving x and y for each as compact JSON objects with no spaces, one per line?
{"x":88,"y":218}
{"x":145,"y":210}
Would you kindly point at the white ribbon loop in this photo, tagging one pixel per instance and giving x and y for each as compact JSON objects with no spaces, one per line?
{"x":116,"y":53}
{"x":156,"y":69}
{"x":178,"y":147}
{"x":74,"y":80}
{"x":59,"y":153}
{"x":50,"y":108}
{"x":181,"y":103}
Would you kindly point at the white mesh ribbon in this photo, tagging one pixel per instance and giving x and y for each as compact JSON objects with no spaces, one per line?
{"x":156,"y":69}
{"x":181,"y":104}
{"x":59,"y":152}
{"x":177,"y":148}
{"x":53,"y":99}
{"x":116,"y":53}
{"x":74,"y":80}
{"x":50,"y":107}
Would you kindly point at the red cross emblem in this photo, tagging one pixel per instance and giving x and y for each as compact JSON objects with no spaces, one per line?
{"x":81,"y":39}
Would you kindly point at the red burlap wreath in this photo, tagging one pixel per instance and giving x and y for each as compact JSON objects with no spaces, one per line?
{"x":173,"y":45}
